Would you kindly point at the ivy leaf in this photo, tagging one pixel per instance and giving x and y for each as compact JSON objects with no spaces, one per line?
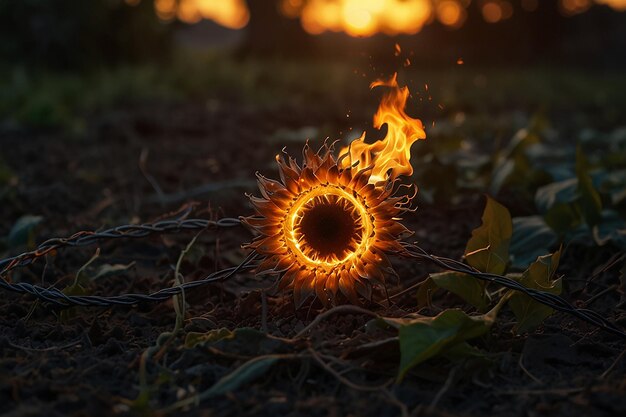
{"x":562,"y":192}
{"x":465,"y":286}
{"x":512,"y":166}
{"x":422,"y":338}
{"x":425,"y":293}
{"x":501,"y":174}
{"x":563,"y":217}
{"x":488,"y":248}
{"x":612,"y":228}
{"x":530,"y":313}
{"x":531,"y":238}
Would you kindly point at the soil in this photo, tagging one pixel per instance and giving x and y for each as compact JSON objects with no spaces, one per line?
{"x":88,"y":361}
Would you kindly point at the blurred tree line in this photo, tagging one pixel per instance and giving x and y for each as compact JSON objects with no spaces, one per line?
{"x":67,"y":34}
{"x":595,"y":38}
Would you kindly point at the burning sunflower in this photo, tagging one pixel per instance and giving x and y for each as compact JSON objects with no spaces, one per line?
{"x":327,"y":226}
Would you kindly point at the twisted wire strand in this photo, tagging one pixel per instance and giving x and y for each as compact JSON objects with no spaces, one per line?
{"x":58,"y":298}
{"x":551,"y":300}
{"x":84,"y":238}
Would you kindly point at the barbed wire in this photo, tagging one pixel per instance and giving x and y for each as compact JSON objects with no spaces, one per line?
{"x":130,"y":231}
{"x":546,"y":298}
{"x":58,"y":298}
{"x":84,"y":238}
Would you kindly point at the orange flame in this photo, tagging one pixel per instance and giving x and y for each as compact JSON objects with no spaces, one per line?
{"x":389,"y":157}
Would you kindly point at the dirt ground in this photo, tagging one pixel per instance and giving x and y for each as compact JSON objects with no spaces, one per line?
{"x":135,"y":164}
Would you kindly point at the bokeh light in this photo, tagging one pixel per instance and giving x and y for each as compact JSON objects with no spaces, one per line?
{"x":571,"y":7}
{"x":450,"y":13}
{"x":494,"y":11}
{"x":615,"y":4}
{"x":530,"y":5}
{"x":363,"y":17}
{"x":232,"y":14}
{"x":367,"y":17}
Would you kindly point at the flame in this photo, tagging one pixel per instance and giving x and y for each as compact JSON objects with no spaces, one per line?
{"x":389,"y":157}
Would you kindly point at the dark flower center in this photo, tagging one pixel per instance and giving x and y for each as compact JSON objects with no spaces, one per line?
{"x":329,"y":230}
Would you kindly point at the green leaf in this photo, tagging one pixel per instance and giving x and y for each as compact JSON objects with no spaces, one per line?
{"x":590,"y":202}
{"x":531,"y":238}
{"x":465,"y":286}
{"x":425,"y":293}
{"x":23,"y":231}
{"x":528,"y":312}
{"x":422,"y":338}
{"x":501,"y":174}
{"x":522,"y":140}
{"x":488,"y":248}
{"x":554,"y":193}
{"x":563,"y":217}
{"x":614,"y":185}
{"x":512,"y":166}
{"x":247,"y":372}
{"x":612,"y":228}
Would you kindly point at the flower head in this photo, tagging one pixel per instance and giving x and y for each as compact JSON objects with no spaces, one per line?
{"x":325,"y":228}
